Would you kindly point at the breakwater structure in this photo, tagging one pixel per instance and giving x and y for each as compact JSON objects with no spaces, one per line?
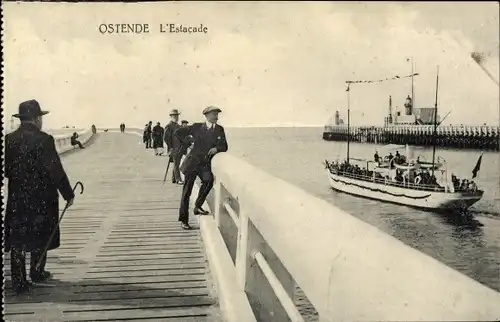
{"x":123,"y":255}
{"x":415,"y":128}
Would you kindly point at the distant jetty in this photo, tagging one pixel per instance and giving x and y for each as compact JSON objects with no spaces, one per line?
{"x":459,"y":137}
{"x":414,"y":128}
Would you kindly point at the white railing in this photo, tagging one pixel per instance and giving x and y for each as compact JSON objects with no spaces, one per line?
{"x":63,"y":141}
{"x":266,"y":236}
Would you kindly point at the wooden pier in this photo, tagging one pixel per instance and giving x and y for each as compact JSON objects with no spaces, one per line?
{"x":123,"y":254}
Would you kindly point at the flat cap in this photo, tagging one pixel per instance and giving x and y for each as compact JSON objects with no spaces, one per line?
{"x":184,"y":122}
{"x":211,"y":109}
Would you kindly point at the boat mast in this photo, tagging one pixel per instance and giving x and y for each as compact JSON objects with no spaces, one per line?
{"x":412,"y":92}
{"x":435,"y":123}
{"x":348,"y":117}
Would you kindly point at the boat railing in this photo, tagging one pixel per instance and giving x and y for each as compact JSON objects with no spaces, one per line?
{"x":408,"y":185}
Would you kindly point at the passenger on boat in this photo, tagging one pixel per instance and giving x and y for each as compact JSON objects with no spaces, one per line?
{"x":391,"y":161}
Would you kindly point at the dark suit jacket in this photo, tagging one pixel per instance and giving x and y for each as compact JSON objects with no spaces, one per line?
{"x":169,"y":133}
{"x":181,"y":141}
{"x":35,"y":175}
{"x":204,"y":140}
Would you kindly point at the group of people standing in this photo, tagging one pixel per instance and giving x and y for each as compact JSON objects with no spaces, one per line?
{"x":198,"y":142}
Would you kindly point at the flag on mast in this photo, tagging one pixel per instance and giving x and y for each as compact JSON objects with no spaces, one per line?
{"x":477,"y":167}
{"x":348,"y":86}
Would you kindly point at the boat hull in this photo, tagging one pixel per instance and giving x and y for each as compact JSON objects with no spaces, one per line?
{"x":435,"y":200}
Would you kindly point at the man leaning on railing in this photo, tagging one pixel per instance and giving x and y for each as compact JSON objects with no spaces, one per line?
{"x":209,"y":139}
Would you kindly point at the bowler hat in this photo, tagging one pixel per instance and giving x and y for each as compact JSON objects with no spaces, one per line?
{"x":174,"y":112}
{"x":211,"y":109}
{"x":184,"y":122}
{"x":30,"y":109}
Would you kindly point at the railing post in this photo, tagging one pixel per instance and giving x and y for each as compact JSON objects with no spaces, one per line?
{"x":242,"y":250}
{"x":217,"y":200}
{"x":261,"y":295}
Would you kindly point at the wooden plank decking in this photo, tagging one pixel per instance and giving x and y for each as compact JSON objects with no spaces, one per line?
{"x":123,"y":255}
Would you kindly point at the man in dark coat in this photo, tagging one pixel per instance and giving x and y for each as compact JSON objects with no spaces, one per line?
{"x":168,"y":138}
{"x":35,"y":175}
{"x":209,"y":139}
{"x":158,"y":138}
{"x":180,"y":145}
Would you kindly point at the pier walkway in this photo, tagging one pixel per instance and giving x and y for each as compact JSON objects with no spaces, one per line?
{"x":124,"y":257}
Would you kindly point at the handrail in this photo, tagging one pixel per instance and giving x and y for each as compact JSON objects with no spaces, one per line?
{"x":348,"y":269}
{"x":407,"y":184}
{"x":63,"y":141}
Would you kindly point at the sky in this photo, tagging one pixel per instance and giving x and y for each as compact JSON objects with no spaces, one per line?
{"x":263,"y":64}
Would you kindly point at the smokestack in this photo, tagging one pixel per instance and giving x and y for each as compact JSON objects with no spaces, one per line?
{"x":390,"y":109}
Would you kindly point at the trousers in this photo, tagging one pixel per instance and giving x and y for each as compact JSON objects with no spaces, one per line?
{"x":207,"y":182}
{"x":18,"y":264}
{"x":176,"y":173}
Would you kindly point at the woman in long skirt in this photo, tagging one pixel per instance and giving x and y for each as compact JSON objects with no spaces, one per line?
{"x":158,"y":138}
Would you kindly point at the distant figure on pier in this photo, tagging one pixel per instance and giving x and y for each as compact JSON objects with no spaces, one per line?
{"x":158,"y":138}
{"x":35,"y":175}
{"x":209,"y":139}
{"x":74,"y":141}
{"x":145,"y":135}
{"x":148,"y":131}
{"x":376,"y":157}
{"x":122,"y":127}
{"x":171,"y":127}
{"x":94,"y":129}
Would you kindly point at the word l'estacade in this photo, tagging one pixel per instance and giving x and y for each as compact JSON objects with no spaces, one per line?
{"x":146,"y":28}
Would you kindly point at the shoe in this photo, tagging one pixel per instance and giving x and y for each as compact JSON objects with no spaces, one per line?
{"x":22,"y":288}
{"x":180,"y":182}
{"x":200,"y":211}
{"x":186,"y":226}
{"x":40,"y":277}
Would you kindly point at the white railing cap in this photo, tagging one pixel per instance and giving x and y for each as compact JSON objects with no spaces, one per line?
{"x":350,"y":270}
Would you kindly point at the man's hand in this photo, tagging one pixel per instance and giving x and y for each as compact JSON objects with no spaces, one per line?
{"x":212,"y":152}
{"x":70,"y":202}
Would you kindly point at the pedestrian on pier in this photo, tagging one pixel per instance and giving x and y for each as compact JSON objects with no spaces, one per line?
{"x":149,"y":135}
{"x":171,"y":127}
{"x":180,"y":144}
{"x":35,"y":175}
{"x":158,"y":138}
{"x":209,"y":139}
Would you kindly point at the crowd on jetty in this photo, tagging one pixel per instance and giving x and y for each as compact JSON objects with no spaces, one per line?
{"x":416,"y":178}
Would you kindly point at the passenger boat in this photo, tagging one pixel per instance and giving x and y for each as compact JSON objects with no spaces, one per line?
{"x":404,"y":180}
